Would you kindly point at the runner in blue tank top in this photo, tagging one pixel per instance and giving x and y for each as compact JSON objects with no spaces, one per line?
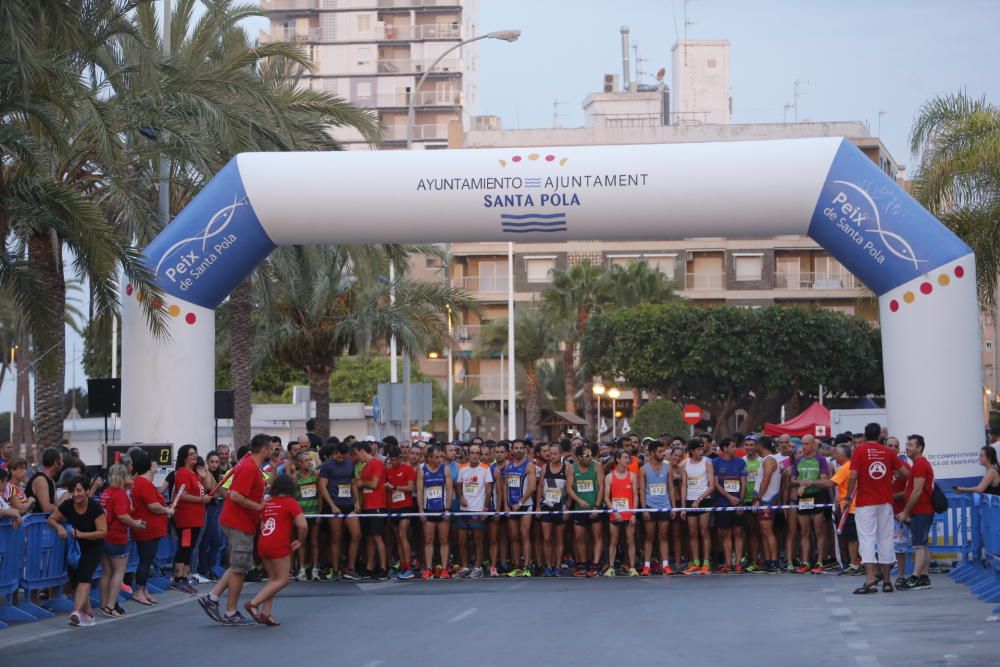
{"x":434,"y":489}
{"x":519,"y":482}
{"x":656,"y":492}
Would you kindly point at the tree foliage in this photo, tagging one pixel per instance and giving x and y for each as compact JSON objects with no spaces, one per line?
{"x":659,"y":416}
{"x":724,"y":358}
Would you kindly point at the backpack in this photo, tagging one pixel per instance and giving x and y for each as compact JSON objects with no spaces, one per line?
{"x":939,"y":501}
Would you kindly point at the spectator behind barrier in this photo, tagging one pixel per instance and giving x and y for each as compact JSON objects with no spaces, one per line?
{"x":89,"y":527}
{"x":990,"y":483}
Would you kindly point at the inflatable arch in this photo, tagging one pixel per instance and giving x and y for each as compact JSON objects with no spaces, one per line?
{"x":924,"y":276}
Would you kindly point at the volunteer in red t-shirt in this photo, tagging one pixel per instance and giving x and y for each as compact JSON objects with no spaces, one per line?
{"x":918,"y":511}
{"x":240,"y":517}
{"x":189,"y":515}
{"x":117,"y":510}
{"x":872,"y":466}
{"x":149,"y":506}
{"x":401,"y":482}
{"x":373,"y":504}
{"x":275,"y":546}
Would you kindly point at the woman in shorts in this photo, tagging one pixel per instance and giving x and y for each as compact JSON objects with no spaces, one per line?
{"x":117,"y":506}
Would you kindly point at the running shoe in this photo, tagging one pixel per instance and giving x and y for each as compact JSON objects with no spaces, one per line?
{"x":738,"y":569}
{"x":332,"y":575}
{"x":237,"y":620}
{"x":351,"y":575}
{"x":463,"y":573}
{"x":381,"y":575}
{"x":476,"y":573}
{"x":610,"y":572}
{"x":548,"y":572}
{"x":725,"y":569}
{"x":405,"y":575}
{"x":655,"y":568}
{"x":706,"y":569}
{"x":557,"y":572}
{"x":855,"y":570}
{"x":667,"y":571}
{"x":183,"y":587}
{"x":591,"y":572}
{"x":526,"y":572}
{"x":210,"y":607}
{"x":790,"y":569}
{"x":315,"y":575}
{"x":87,"y":621}
{"x":692,"y":569}
{"x":753,"y":568}
{"x":516,"y":572}
{"x":444,"y":574}
{"x":74,"y":618}
{"x":803,"y":569}
{"x":818,"y":569}
{"x":645,"y":571}
{"x":427,"y":575}
{"x":396,"y":565}
{"x":632,"y":572}
{"x":493,"y":572}
{"x":771,"y":568}
{"x":580,"y":571}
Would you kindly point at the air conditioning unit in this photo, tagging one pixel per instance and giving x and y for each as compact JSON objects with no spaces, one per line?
{"x":610,"y":83}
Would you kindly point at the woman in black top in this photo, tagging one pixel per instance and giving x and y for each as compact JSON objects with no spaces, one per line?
{"x":990,"y":483}
{"x":89,"y":526}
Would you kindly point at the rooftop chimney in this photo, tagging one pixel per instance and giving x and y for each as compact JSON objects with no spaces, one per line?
{"x":626,"y":69}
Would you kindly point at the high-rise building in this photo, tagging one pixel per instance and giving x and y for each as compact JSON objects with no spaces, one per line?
{"x":373,"y":52}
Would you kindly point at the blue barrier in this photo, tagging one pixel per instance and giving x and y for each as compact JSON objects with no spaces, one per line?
{"x":11,"y":562}
{"x":44,"y":565}
{"x":164,"y":560}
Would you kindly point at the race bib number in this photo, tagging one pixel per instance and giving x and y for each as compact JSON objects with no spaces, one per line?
{"x":585,"y":486}
{"x":553,"y":496}
{"x":806,"y":503}
{"x":433,"y":493}
{"x":308,"y":491}
{"x":514,"y":482}
{"x":657,"y":490}
{"x":752,"y":478}
{"x":619,"y":504}
{"x":470,"y":488}
{"x":731,"y":485}
{"x":398,"y":496}
{"x":694,"y":481}
{"x":343,"y":490}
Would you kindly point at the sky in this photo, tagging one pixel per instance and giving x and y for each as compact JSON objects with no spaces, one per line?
{"x":854,"y":57}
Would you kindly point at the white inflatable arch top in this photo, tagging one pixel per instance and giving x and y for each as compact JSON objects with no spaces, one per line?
{"x":924,"y":276}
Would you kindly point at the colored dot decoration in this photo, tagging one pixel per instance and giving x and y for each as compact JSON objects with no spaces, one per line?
{"x":173,"y":310}
{"x":534,"y":157}
{"x":927,"y":287}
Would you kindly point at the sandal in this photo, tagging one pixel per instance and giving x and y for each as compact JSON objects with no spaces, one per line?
{"x":110,"y":612}
{"x":119,"y":609}
{"x":887,"y":587}
{"x":867,"y":588}
{"x":269,"y":621}
{"x":142,"y":601}
{"x":254,"y":612}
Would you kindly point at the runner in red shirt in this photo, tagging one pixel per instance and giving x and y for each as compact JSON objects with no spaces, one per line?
{"x":239,"y":519}
{"x":918,"y":512}
{"x":372,"y":484}
{"x":275,"y":546}
{"x":872,"y":466}
{"x":401,"y":482}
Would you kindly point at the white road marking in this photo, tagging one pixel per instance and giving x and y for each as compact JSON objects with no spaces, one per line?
{"x":464,"y":614}
{"x":841,"y":611}
{"x":849,"y":627}
{"x":859,"y":645}
{"x":835,"y":599}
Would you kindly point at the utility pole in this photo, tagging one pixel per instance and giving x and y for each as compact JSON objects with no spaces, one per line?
{"x":796,"y":91}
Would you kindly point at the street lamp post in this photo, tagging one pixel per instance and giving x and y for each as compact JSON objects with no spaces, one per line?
{"x":598,"y":392}
{"x":505,"y":35}
{"x":614,"y":393}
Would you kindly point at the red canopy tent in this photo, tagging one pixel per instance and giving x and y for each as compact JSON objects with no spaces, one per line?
{"x":814,"y":420}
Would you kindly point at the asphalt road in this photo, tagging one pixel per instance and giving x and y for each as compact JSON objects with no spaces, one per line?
{"x":745,"y":620}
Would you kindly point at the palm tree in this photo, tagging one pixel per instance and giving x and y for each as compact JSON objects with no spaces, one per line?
{"x":317,"y":304}
{"x":957,"y":140}
{"x":533,"y":342}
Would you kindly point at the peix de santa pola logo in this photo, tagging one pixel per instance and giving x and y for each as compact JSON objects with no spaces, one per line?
{"x":535,"y":197}
{"x":855,"y":213}
{"x":188,"y":259}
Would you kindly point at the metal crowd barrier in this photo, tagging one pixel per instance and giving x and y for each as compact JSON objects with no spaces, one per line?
{"x":981,"y":571}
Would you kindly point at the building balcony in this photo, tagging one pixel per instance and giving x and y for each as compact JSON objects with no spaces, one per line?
{"x":437,"y":131}
{"x":704,"y":281}
{"x":815,"y":281}
{"x":414,"y":33}
{"x":291,"y":35}
{"x":288,"y":5}
{"x":406,"y":4}
{"x":478,"y":286}
{"x":488,"y":385}
{"x":467,"y":333}
{"x":401,"y":99}
{"x":285,"y":5}
{"x":417,"y":65}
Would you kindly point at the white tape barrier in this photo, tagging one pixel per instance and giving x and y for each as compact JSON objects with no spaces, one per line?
{"x":638,"y":510}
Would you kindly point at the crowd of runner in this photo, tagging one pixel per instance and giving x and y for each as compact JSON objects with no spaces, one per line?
{"x":353,"y":510}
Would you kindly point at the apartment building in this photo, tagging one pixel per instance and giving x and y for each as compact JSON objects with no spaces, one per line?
{"x":373,"y":53}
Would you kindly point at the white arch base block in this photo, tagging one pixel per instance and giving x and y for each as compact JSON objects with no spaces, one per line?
{"x":170,"y":393}
{"x":927,"y":385}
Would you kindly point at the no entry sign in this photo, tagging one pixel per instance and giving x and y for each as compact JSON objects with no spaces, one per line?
{"x":692,"y":414}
